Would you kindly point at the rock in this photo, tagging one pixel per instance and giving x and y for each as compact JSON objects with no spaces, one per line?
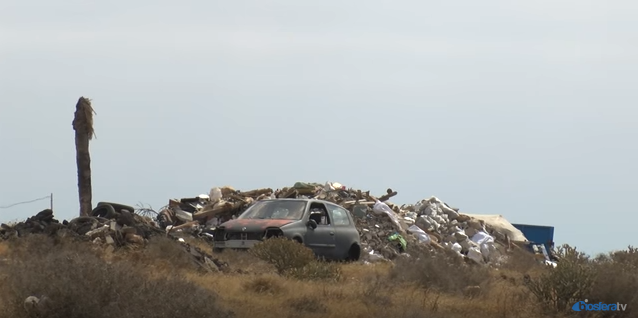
{"x":460,"y":236}
{"x":134,"y":239}
{"x":470,"y":232}
{"x":475,"y":224}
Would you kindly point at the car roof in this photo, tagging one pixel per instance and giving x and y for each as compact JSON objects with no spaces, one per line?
{"x":300,"y":199}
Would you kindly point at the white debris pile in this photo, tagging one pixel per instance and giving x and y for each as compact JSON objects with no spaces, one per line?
{"x":477,"y":237}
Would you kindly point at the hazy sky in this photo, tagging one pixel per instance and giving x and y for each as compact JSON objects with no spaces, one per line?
{"x":519,"y":108}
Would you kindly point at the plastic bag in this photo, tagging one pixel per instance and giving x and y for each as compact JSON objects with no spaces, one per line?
{"x":475,"y":254}
{"x":380,"y":208}
{"x":215,"y":194}
{"x":482,"y":238}
{"x":420,"y":234}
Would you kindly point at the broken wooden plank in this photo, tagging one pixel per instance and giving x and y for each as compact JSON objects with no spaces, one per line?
{"x":221,"y":207}
{"x":185,"y":225}
{"x":256,"y":192}
{"x":388,"y":195}
{"x":306,"y":191}
{"x":288,"y":193}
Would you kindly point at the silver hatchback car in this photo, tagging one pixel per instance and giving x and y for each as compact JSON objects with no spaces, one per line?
{"x":326,"y":228}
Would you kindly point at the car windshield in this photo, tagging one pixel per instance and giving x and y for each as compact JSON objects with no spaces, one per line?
{"x":275,"y":209}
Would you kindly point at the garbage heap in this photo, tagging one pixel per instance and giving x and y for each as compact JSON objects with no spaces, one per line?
{"x":206,"y":211}
{"x":386,"y":229}
{"x":435,"y":223}
{"x":120,"y":228}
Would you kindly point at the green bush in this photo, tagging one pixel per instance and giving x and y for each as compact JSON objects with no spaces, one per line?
{"x":283,"y":253}
{"x":295,"y":260}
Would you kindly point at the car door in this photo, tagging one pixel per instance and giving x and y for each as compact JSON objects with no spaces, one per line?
{"x":345,"y":231}
{"x":322,"y":238}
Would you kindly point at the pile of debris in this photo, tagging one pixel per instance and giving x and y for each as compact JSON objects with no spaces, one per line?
{"x":386,"y":229}
{"x":112,"y":225}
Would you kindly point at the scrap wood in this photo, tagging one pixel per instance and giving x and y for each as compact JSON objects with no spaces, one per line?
{"x":388,"y":195}
{"x":185,"y":225}
{"x":287,"y":193}
{"x":261,"y":197}
{"x":221,"y":207}
{"x":437,"y":245}
{"x":383,"y":198}
{"x":256,"y":192}
{"x":306,"y":191}
{"x":227,"y":190}
{"x":237,"y":197}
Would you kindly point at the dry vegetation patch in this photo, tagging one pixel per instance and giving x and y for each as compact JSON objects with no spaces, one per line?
{"x":280,"y":278}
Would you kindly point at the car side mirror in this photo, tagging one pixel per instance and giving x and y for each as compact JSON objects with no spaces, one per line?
{"x":312,"y":224}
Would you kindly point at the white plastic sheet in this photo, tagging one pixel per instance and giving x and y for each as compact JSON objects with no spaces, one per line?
{"x":485,"y":242}
{"x":482,"y":238}
{"x":380,"y":208}
{"x":420,"y":234}
{"x":475,"y":254}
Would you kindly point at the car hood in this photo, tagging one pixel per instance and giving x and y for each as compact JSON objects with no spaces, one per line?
{"x":253,"y":225}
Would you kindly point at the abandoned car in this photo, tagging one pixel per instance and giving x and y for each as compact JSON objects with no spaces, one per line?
{"x":326,"y":228}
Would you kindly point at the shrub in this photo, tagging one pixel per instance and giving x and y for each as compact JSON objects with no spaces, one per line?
{"x":78,"y":283}
{"x":316,"y":270}
{"x":308,"y":305}
{"x":264,"y":285}
{"x":444,"y":272}
{"x":283,"y":253}
{"x":616,"y":280}
{"x":571,"y":281}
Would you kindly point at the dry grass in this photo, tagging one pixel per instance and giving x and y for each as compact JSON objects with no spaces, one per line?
{"x":159,"y":280}
{"x":79,"y":282}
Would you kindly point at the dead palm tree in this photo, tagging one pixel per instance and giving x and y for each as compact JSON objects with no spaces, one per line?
{"x":83,"y":126}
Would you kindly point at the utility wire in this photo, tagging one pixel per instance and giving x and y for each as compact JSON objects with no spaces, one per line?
{"x":25,"y":202}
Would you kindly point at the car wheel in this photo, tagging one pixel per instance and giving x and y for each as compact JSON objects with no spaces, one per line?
{"x":354,"y":253}
{"x":298,"y":239}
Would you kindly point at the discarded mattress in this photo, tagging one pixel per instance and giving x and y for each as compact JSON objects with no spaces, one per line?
{"x":500,"y":224}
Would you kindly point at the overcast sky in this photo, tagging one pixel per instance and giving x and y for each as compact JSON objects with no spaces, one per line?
{"x":519,"y":108}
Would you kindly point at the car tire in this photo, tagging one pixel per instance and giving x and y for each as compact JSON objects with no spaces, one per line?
{"x":105,"y":211}
{"x":118,"y":207}
{"x":298,"y":239}
{"x":354,"y":253}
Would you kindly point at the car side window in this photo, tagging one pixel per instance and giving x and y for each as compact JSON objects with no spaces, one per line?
{"x":339,"y":215}
{"x":319,"y":213}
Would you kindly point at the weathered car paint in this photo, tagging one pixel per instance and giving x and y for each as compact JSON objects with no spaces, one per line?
{"x":332,"y":241}
{"x":254,"y":225}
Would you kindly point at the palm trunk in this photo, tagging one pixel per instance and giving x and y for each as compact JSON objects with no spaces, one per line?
{"x":83,"y":126}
